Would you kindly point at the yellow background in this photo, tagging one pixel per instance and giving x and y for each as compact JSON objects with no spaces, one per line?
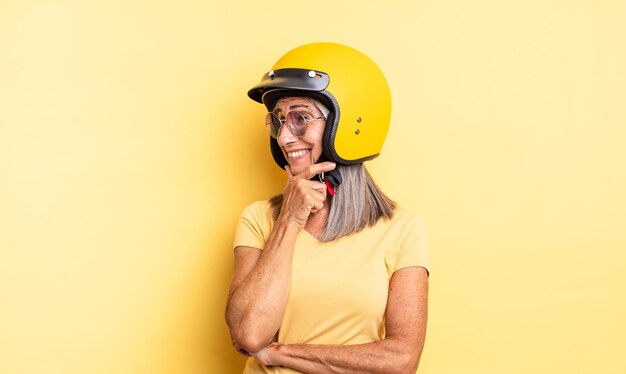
{"x":128,"y":148}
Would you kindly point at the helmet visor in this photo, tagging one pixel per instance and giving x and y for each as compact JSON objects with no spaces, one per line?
{"x":289,"y":79}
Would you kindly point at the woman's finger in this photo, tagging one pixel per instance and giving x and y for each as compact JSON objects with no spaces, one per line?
{"x":315,"y":169}
{"x":288,"y":170}
{"x":317,"y":186}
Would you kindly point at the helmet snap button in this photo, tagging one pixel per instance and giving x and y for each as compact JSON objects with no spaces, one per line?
{"x":357,"y":131}
{"x":359,"y":119}
{"x":312,"y":74}
{"x":271,"y":74}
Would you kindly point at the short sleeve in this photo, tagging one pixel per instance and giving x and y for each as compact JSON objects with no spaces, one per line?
{"x":413,"y":248}
{"x":254,"y":226}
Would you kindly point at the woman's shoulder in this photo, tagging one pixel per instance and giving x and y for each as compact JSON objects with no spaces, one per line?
{"x":409,"y":232}
{"x":404,"y":215}
{"x":259,"y":205}
{"x":255,"y":225}
{"x":258,"y":211}
{"x":405,"y":221}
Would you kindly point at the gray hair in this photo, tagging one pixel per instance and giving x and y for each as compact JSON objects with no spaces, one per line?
{"x":357,"y":204}
{"x":321,"y":107}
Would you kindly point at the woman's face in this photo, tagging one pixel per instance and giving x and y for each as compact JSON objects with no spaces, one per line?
{"x":301,"y":151}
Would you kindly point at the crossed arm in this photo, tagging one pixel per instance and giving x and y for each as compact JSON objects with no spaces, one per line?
{"x":399,"y":352}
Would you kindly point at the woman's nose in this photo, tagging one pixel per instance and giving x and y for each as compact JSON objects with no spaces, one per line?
{"x":285,"y":136}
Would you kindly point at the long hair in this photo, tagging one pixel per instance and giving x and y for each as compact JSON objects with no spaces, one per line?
{"x":357,"y":204}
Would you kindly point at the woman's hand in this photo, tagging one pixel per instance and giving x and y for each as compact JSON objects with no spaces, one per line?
{"x":303,"y":196}
{"x":268,"y":355}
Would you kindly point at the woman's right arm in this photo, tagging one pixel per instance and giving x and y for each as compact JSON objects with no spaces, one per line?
{"x":262,"y":278}
{"x":260,"y":288}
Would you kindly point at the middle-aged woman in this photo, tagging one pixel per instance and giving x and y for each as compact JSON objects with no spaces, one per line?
{"x":330,"y":276}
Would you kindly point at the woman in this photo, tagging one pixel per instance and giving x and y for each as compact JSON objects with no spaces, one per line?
{"x":329,"y":276}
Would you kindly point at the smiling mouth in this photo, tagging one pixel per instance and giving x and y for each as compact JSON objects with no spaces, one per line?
{"x":297,"y":154}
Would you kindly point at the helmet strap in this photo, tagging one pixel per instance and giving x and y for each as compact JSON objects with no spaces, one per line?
{"x":331,"y":178}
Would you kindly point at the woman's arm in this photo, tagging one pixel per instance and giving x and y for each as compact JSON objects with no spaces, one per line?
{"x":399,"y":352}
{"x":262,"y":279}
{"x":259,"y":290}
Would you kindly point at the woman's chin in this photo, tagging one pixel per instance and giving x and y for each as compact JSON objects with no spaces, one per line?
{"x":298,"y":166}
{"x":295,"y":170}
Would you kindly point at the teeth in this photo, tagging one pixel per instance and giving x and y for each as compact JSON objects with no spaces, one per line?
{"x":296,"y":154}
